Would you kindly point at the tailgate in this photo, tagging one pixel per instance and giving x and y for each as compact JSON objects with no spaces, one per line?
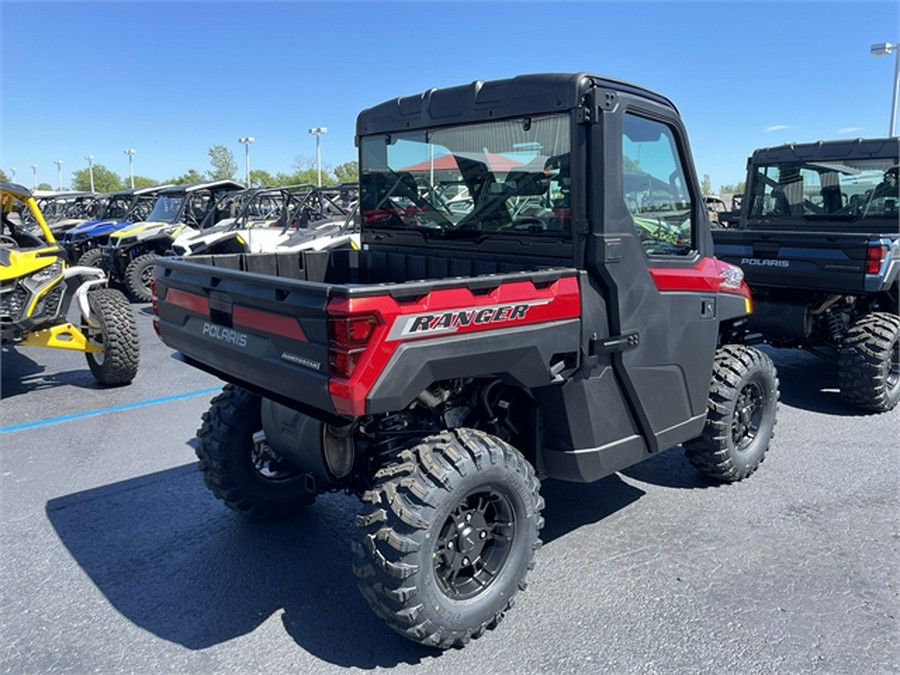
{"x":821,"y":261}
{"x":266,"y":333}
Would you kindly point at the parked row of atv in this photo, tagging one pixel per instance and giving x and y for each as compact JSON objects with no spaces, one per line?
{"x":137,"y":227}
{"x":93,"y":245}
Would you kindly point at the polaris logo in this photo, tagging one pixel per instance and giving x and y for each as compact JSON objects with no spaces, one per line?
{"x":765,"y":262}
{"x":452,"y":321}
{"x":228,"y":335}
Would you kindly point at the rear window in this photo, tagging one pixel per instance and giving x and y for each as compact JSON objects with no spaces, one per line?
{"x":816,"y":191}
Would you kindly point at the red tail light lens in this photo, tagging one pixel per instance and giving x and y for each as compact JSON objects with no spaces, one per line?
{"x":351,"y":332}
{"x":874,"y":257}
{"x":348,"y":339}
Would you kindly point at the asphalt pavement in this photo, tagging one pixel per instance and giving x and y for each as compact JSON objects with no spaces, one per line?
{"x":116,"y":559}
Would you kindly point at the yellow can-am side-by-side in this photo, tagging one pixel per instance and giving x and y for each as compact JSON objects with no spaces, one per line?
{"x":37,"y":289}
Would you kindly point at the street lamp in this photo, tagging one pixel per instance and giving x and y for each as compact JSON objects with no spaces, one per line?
{"x":34,"y":172}
{"x":59,"y":164}
{"x":883,"y":49}
{"x":130,"y":152}
{"x":317,"y":132}
{"x":14,"y":174}
{"x":246,"y":141}
{"x":90,"y":159}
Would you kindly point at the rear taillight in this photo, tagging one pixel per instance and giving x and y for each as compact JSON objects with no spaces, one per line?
{"x":348,"y":338}
{"x":874,"y":258}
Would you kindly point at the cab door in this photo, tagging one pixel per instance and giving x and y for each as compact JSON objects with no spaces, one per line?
{"x":648,"y":248}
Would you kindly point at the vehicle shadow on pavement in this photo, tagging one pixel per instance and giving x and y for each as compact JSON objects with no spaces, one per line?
{"x":22,"y":374}
{"x":569,"y":506}
{"x":809,"y":382}
{"x":174,"y":561}
{"x":672,"y":469}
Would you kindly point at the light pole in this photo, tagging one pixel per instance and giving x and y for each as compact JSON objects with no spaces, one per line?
{"x":14,"y":174}
{"x":246,"y":141}
{"x":317,"y":132}
{"x":34,"y":173}
{"x":90,"y":159}
{"x":59,"y":164}
{"x":130,"y":152}
{"x":883,"y":49}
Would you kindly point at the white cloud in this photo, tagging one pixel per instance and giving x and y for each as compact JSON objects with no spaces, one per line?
{"x":849,"y":130}
{"x":776,"y":127}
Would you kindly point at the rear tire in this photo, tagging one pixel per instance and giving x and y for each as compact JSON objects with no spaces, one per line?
{"x":740,"y":421}
{"x":869,"y":370}
{"x":114,"y":329}
{"x":447,"y":536}
{"x":249,"y":478}
{"x":138,"y":275}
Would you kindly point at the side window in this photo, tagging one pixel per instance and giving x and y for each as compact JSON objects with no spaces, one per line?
{"x":655,"y":189}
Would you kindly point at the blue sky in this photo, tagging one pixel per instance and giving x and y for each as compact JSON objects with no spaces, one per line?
{"x":171,"y":79}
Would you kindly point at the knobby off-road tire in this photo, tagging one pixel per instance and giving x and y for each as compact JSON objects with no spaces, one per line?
{"x":91,"y":258}
{"x":117,"y":332}
{"x":447,"y":536}
{"x":249,"y":478}
{"x":869,"y":368}
{"x":138,"y":275}
{"x":740,"y":422}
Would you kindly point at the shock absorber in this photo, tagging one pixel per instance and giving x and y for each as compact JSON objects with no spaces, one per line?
{"x":836,"y":324}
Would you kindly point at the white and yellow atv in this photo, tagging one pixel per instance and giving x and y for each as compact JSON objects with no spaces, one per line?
{"x":37,"y":289}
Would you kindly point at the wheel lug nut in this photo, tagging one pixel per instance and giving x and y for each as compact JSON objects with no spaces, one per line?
{"x":465,"y":562}
{"x":450,"y":545}
{"x":468,"y":517}
{"x":482,"y":534}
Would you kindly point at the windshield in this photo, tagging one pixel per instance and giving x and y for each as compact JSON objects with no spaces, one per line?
{"x":826,"y":190}
{"x":167,"y":208}
{"x":117,"y":208}
{"x":505,"y":178}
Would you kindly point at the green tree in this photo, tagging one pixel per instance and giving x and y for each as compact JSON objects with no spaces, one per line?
{"x":143,"y":181}
{"x":706,"y":185}
{"x":223,"y":165}
{"x":348,"y":172}
{"x":46,"y":187}
{"x":308,"y":174}
{"x":260,"y":178}
{"x":630,"y":165}
{"x":104,"y":180}
{"x":190,"y":176}
{"x":3,"y":176}
{"x":732,"y":189}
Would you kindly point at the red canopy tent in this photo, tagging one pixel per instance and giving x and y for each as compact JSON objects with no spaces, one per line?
{"x":497,"y":163}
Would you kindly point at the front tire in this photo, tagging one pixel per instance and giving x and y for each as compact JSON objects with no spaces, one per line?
{"x":112,"y":326}
{"x":138,"y":275}
{"x":247,"y":476}
{"x":740,"y":420}
{"x":91,"y":258}
{"x":447,"y":536}
{"x":869,"y":369}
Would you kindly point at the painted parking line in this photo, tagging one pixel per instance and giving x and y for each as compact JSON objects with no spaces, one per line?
{"x":104,"y":411}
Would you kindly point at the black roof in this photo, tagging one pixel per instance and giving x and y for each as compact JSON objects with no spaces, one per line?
{"x":15,"y":189}
{"x":857,"y":148}
{"x":497,"y":99}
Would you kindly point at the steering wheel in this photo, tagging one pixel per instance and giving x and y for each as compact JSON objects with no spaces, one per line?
{"x":6,"y":240}
{"x":528,"y":224}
